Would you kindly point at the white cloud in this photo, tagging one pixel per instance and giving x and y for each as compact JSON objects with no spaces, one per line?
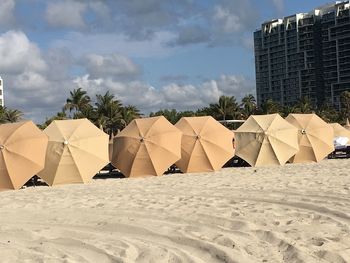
{"x":66,"y":13}
{"x":6,"y":12}
{"x":115,"y":65}
{"x":229,"y":21}
{"x":279,"y":5}
{"x":18,"y":54}
{"x":106,"y":43}
{"x":181,"y":97}
{"x":31,"y":83}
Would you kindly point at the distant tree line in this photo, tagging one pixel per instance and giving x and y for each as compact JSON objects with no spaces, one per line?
{"x":110,"y":115}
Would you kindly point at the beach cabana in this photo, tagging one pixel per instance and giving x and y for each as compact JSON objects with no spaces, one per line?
{"x":22,"y":153}
{"x":315,"y":137}
{"x":266,"y":140}
{"x":206,"y":144}
{"x":76,"y":151}
{"x":147,"y":146}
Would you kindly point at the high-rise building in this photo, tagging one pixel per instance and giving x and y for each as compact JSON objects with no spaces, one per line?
{"x":304,"y":55}
{"x":1,"y":92}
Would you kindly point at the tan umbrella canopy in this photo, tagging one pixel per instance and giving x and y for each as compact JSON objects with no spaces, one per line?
{"x":266,"y":140}
{"x":22,"y":153}
{"x":347,"y":125}
{"x":315,"y":137}
{"x":340,"y":131}
{"x":110,"y":148}
{"x":77,"y":150}
{"x":206,"y":144}
{"x":146,"y":146}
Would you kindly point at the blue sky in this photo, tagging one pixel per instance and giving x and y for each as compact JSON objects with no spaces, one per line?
{"x":150,"y":53}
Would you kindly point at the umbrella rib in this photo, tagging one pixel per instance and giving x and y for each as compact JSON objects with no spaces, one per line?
{"x":133,"y":161}
{"x":312,"y":147}
{"x":190,"y":124}
{"x":80,"y":149}
{"x":319,"y":141}
{"x":202,"y":127}
{"x":281,"y":141}
{"x":12,"y":152}
{"x":216,"y":145}
{"x":71,"y":134}
{"x":161,"y":147}
{"x":58,"y":164}
{"x":259,"y":151}
{"x":14,"y":132}
{"x":206,"y":155}
{"x":273,"y":148}
{"x":153,"y":166}
{"x":75,"y":163}
{"x":13,"y":186}
{"x":24,"y":139}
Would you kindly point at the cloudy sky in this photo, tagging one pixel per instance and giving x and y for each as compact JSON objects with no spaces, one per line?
{"x":154,"y":54}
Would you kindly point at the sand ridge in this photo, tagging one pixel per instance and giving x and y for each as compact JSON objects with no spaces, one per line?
{"x":293,"y":213}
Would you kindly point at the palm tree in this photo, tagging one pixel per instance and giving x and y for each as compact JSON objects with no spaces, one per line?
{"x":270,"y":106}
{"x":171,"y":115}
{"x":328,"y":113}
{"x":248,"y":105}
{"x":12,"y":115}
{"x":129,"y":113}
{"x":304,"y":105}
{"x":77,"y":101}
{"x":2,"y":114}
{"x":345,"y":104}
{"x":108,"y":112}
{"x":226,"y":107}
{"x":59,"y":116}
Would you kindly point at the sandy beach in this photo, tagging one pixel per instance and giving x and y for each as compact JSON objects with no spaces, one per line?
{"x":294,"y":213}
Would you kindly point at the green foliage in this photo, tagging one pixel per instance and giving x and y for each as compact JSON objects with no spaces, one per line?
{"x":109,"y":114}
{"x":172,"y":115}
{"x":226,"y":108}
{"x":345,"y":105}
{"x":59,"y":116}
{"x":77,"y":102}
{"x":10,"y":115}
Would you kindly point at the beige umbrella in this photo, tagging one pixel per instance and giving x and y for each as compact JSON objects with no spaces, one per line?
{"x":266,"y":140}
{"x":110,"y":148}
{"x":77,"y":150}
{"x":340,"y":131}
{"x":146,"y":146}
{"x":206,"y":144}
{"x":347,"y":125}
{"x":315,"y":137}
{"x":22,"y":153}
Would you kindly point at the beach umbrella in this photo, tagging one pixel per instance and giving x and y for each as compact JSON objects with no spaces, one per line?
{"x":266,"y":140}
{"x":340,"y":131}
{"x":147,"y":146}
{"x":347,"y":125}
{"x":315,"y":137}
{"x":76,"y":151}
{"x":206,"y":144}
{"x":110,"y":148}
{"x":22,"y":153}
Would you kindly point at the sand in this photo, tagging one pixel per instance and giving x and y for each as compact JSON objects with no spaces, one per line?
{"x":295,"y":213}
